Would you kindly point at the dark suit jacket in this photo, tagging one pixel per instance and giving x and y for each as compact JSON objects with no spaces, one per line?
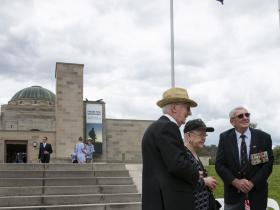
{"x":45,"y":157}
{"x":168,"y":176}
{"x":228,"y":168}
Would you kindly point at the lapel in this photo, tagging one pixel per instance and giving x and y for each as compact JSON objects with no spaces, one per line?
{"x":253,"y":148}
{"x":234,"y":146}
{"x":254,"y":142}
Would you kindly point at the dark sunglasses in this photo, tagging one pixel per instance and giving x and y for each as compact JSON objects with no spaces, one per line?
{"x":240,"y":116}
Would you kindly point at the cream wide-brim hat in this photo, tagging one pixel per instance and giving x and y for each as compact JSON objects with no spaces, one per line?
{"x":176,"y":95}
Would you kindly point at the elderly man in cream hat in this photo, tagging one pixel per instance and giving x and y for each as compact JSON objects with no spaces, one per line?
{"x":168,"y":176}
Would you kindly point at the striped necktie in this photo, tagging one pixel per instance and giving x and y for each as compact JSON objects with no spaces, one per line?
{"x":243,"y":154}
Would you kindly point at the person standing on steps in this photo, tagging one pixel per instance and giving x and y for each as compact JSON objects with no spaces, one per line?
{"x":45,"y":150}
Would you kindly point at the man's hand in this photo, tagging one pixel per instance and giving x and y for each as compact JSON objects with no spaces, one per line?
{"x":243,"y":185}
{"x":251,"y":184}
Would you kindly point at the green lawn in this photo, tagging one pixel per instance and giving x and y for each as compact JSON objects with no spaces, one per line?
{"x":273,"y":189}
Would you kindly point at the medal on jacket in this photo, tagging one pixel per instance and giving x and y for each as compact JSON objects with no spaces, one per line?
{"x":257,"y":158}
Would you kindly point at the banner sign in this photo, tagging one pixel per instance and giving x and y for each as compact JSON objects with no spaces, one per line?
{"x":94,"y":126}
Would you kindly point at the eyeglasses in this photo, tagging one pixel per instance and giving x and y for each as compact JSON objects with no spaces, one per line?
{"x":240,"y":116}
{"x":199,"y":134}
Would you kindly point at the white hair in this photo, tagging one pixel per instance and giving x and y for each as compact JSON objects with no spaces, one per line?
{"x":165,"y":109}
{"x":233,"y":111}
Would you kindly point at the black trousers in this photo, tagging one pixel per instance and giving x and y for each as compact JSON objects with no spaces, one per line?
{"x":45,"y":158}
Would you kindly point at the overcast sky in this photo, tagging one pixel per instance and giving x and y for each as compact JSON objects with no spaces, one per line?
{"x":225,"y":55}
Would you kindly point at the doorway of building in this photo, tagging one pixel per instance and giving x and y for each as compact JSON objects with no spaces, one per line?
{"x":16,"y":151}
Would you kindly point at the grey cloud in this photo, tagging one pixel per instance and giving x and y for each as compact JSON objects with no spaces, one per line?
{"x":250,"y":7}
{"x":225,"y":55}
{"x":147,"y":13}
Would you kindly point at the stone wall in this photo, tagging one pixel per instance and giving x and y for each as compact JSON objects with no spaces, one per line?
{"x":69,"y":107}
{"x":123,"y":139}
{"x":123,"y":142}
{"x":27,"y":117}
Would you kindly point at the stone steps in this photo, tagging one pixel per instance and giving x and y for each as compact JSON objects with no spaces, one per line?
{"x":111,"y":206}
{"x":69,"y":199}
{"x":66,"y":190}
{"x":54,"y":174}
{"x":62,"y":167}
{"x":64,"y":181}
{"x":67,"y":186}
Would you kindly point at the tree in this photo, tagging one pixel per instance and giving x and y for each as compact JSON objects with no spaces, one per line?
{"x":276,"y":153}
{"x":209,"y":151}
{"x":253,"y":125}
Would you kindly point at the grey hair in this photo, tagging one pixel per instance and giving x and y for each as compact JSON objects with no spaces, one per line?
{"x":233,"y":111}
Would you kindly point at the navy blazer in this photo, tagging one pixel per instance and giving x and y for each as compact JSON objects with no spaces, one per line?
{"x":168,"y":177}
{"x":228,"y":167}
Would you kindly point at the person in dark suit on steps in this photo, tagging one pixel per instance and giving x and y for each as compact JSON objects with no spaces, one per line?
{"x":168,"y":179}
{"x":45,"y":150}
{"x":244,"y":162}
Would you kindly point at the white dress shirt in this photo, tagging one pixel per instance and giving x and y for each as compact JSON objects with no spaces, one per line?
{"x":171,"y":118}
{"x":247,"y":133}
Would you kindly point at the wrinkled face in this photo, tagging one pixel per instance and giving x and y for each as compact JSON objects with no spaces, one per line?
{"x":196,"y":138}
{"x":241,"y":120}
{"x":181,"y":112}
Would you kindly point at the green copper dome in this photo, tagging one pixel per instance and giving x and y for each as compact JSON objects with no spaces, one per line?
{"x":34,"y":93}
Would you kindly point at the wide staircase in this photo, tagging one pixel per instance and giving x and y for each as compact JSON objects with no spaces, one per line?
{"x":100,"y":186}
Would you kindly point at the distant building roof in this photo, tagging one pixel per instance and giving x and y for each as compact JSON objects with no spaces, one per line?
{"x":34,"y":93}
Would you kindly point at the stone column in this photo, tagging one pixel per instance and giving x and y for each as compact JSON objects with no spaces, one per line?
{"x":69,"y":108}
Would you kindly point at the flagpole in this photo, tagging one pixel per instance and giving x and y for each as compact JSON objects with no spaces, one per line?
{"x":279,"y":11}
{"x":172,"y":44}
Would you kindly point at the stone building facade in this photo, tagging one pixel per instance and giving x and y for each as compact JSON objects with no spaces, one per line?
{"x":35,"y":112}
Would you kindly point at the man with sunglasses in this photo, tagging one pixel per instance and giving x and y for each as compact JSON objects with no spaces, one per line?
{"x":169,"y":178}
{"x":244,"y":162}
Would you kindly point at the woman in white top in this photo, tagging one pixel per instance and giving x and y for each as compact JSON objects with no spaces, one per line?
{"x":80,"y":151}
